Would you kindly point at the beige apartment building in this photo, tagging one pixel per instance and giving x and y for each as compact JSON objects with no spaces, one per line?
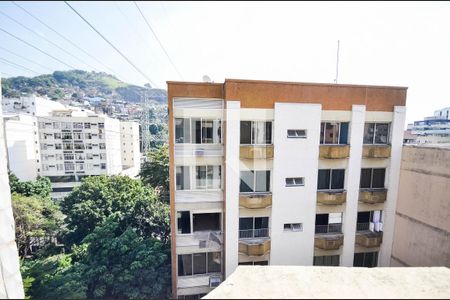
{"x":280,"y":173}
{"x":422,"y":220}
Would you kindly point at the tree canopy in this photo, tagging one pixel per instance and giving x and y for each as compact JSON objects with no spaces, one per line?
{"x":155,"y":171}
{"x":41,"y":187}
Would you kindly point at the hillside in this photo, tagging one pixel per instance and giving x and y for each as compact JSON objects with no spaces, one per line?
{"x":76,"y":84}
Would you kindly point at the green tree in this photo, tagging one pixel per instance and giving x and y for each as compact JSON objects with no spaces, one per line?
{"x":38,"y":220}
{"x":41,"y":187}
{"x":155,"y":171}
{"x":120,"y":263}
{"x":126,"y":200}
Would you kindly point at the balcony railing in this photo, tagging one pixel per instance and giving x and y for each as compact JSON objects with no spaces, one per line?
{"x":255,"y":200}
{"x":256,"y":151}
{"x":253,"y":233}
{"x":254,"y":247}
{"x":362,"y":226}
{"x":369,"y":239}
{"x":372,"y":196}
{"x":330,"y":228}
{"x":331,"y":197}
{"x":376,"y":151}
{"x":334,"y":151}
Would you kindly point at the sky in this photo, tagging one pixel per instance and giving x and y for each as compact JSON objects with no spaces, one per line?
{"x":381,"y":43}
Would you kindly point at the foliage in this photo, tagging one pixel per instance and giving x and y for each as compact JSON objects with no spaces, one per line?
{"x":37,"y":221}
{"x":127,"y":201}
{"x":41,"y":187}
{"x":155,"y":171}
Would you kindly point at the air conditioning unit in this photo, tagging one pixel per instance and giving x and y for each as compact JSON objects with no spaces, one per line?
{"x":202,"y":243}
{"x":199,"y":152}
{"x":214,"y":281}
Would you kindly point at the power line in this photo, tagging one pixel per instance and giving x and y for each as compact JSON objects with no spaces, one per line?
{"x":38,"y":49}
{"x":24,"y":58}
{"x":63,"y":37}
{"x":156,"y":37}
{"x":114,"y":47}
{"x":13,"y":64}
{"x":4,"y":73}
{"x":48,"y":41}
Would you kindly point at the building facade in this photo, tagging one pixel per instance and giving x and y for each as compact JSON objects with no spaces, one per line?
{"x":76,"y":144}
{"x":422,"y":221}
{"x":30,"y":105}
{"x":280,"y":173}
{"x":432,"y":130}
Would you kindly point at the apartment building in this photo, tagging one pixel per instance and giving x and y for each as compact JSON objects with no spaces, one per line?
{"x":76,"y":144}
{"x":432,"y":130}
{"x":280,"y":173}
{"x":30,"y":105}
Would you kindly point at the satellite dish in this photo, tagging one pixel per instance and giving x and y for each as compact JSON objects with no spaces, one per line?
{"x":206,"y":78}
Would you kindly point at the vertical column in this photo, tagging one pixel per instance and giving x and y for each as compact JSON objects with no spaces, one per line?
{"x":10,"y":279}
{"x":398,"y":125}
{"x":353,"y":174}
{"x":231,"y":205}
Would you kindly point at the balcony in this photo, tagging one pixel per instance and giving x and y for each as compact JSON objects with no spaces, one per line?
{"x":367,"y":238}
{"x":255,"y":200}
{"x":200,"y":240}
{"x":331,"y":197}
{"x":254,"y":242}
{"x":376,"y":151}
{"x":256,"y":152}
{"x":328,"y":237}
{"x":334,"y":151}
{"x":372,"y":196}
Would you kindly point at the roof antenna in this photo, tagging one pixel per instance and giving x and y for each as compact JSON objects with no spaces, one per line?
{"x":337,"y":65}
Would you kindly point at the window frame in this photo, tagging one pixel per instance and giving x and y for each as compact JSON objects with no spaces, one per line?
{"x":294,"y":180}
{"x":252,"y":132}
{"x":388,"y":137}
{"x":192,"y":169}
{"x":213,"y":120}
{"x":371,"y":179}
{"x":254,"y":182}
{"x":296,"y":136}
{"x":330,"y":180}
{"x":207,"y":255}
{"x":339,"y":123}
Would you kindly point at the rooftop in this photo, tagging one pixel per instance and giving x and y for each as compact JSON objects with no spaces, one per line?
{"x":285,"y":282}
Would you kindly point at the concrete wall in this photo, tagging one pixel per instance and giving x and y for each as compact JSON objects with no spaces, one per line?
{"x":294,"y":158}
{"x":422,"y":227}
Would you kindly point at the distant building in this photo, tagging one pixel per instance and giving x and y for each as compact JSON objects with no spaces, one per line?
{"x":433,"y":130}
{"x":30,"y":105}
{"x":422,"y":221}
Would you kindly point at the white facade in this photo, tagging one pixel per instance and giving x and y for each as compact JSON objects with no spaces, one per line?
{"x":286,"y":230}
{"x":22,"y":142}
{"x":130,"y":152}
{"x":11,"y":286}
{"x":432,"y":130}
{"x":30,"y":105}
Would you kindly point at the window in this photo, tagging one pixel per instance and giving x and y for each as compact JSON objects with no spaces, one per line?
{"x":368,"y":259}
{"x":88,"y":146}
{"x":183,"y":222}
{"x":77,"y":125}
{"x":206,"y":222}
{"x":101,"y":125}
{"x":57,"y":136}
{"x":331,"y":261}
{"x":256,"y":132}
{"x":79,"y":156}
{"x":293,"y":227}
{"x":102,"y":145}
{"x":87,"y":125}
{"x":183,"y":178}
{"x":80,"y":167}
{"x":102,"y":155}
{"x":88,"y":136}
{"x":60,"y":167}
{"x":296,"y":133}
{"x":43,"y":146}
{"x":44,"y":167}
{"x":58,"y":156}
{"x":372,"y":178}
{"x":77,"y":136}
{"x":56,"y":125}
{"x":207,"y":177}
{"x":103,"y":166}
{"x":44,"y":157}
{"x":68,"y":156}
{"x":78,"y":146}
{"x":254,"y":263}
{"x":328,"y":223}
{"x":251,"y":227}
{"x":41,"y":125}
{"x":67,"y":136}
{"x":255,"y":181}
{"x":89,"y":156}
{"x":364,"y":218}
{"x":199,"y":263}
{"x":295,"y":181}
{"x":101,"y":136}
{"x":198,"y":131}
{"x":69,"y":166}
{"x":331,"y":179}
{"x":334,"y":133}
{"x":376,"y":133}
{"x":66,"y":125}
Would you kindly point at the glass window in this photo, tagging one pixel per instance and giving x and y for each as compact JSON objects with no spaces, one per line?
{"x":196,"y":125}
{"x":372,"y":178}
{"x":247,"y":182}
{"x":368,"y":259}
{"x":337,"y":179}
{"x":213,"y":177}
{"x":57,"y":135}
{"x":262,"y":183}
{"x":378,"y":178}
{"x":323,"y":182}
{"x":295,"y":181}
{"x":246,"y":129}
{"x":214,"y":262}
{"x":69,"y":166}
{"x":183,"y":222}
{"x":296,"y":133}
{"x":366,"y":178}
{"x":200,"y":177}
{"x":182,"y":130}
{"x":183,"y":178}
{"x":334,"y":133}
{"x":199,"y":263}
{"x":207,"y":132}
{"x":381,"y":133}
{"x":184,"y":264}
{"x":331,"y":260}
{"x":331,"y":133}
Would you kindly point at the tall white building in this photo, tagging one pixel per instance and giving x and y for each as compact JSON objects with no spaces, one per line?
{"x":11,"y":286}
{"x":280,"y":173}
{"x":30,"y":105}
{"x":76,"y":144}
{"x":432,"y":130}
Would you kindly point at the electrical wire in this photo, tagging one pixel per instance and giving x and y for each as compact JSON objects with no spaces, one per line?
{"x":24,"y":58}
{"x":17,"y":66}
